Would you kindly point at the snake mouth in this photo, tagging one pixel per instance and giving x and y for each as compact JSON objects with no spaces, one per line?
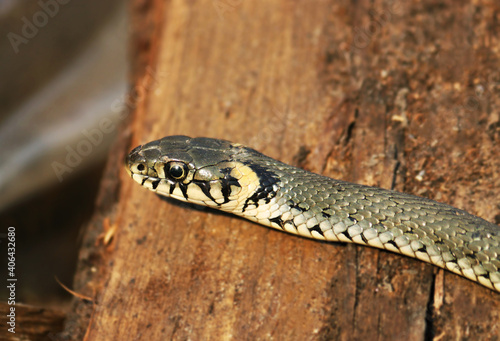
{"x":139,"y":178}
{"x":150,"y":182}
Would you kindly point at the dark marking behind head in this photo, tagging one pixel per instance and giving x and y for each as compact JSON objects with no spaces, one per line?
{"x":227,"y":182}
{"x":265,"y":191}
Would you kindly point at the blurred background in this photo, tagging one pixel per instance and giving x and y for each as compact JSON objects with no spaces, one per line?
{"x":63,"y":72}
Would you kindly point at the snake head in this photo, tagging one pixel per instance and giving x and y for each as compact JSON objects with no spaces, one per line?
{"x":159,"y":160}
{"x":198,"y":170}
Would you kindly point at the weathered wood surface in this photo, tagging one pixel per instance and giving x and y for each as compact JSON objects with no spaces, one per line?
{"x":363,"y":91}
{"x":29,"y":323}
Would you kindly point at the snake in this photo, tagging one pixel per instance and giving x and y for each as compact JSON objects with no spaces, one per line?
{"x":240,"y":180}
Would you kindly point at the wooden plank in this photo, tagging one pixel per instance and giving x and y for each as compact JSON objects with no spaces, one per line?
{"x":361,"y":91}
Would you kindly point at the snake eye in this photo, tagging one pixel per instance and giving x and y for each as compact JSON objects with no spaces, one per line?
{"x":176,"y":170}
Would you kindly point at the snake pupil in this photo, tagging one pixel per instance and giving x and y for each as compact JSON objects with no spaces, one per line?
{"x":140,"y":167}
{"x":176,"y":171}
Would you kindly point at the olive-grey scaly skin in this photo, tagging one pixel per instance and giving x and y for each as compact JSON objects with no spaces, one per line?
{"x":240,"y":180}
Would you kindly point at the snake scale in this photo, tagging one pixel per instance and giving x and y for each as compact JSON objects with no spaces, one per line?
{"x":242,"y":181}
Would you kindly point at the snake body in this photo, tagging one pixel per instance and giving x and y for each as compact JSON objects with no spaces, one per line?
{"x":240,"y":180}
